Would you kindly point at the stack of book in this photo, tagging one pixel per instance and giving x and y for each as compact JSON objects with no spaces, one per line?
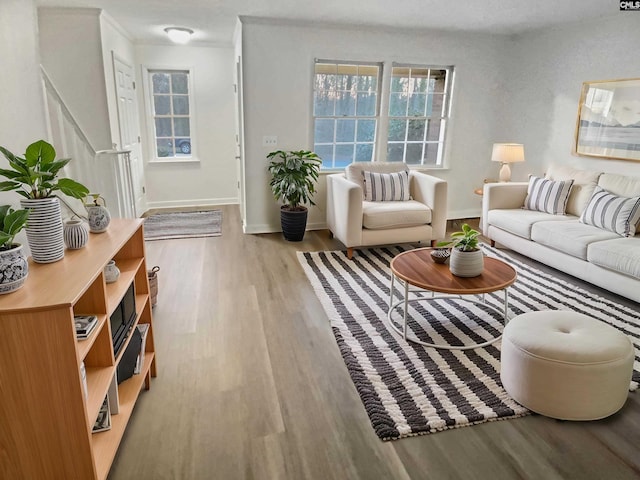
{"x":143,"y":328}
{"x":84,"y":325}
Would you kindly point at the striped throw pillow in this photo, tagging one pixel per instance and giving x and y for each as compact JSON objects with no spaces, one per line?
{"x":548,"y":196}
{"x":612,"y":212}
{"x":386,"y":187}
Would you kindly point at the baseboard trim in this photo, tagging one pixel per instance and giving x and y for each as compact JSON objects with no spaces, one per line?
{"x":267,"y":228}
{"x":468,"y":213}
{"x":199,"y":202}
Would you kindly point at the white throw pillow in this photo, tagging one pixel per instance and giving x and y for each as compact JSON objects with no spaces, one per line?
{"x":386,"y":187}
{"x":612,"y":212}
{"x":548,"y":196}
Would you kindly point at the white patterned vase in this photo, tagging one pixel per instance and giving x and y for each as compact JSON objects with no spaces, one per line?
{"x":14,"y":269}
{"x":99,"y":216}
{"x":44,"y":229}
{"x":466,"y":264}
{"x":75,"y":234}
{"x":111,"y":272}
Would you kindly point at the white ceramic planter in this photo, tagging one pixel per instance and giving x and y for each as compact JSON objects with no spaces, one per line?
{"x":13,"y":269}
{"x":466,"y":264}
{"x":44,"y":229}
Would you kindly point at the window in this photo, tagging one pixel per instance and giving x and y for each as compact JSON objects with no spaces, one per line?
{"x":345,"y":109}
{"x":170,"y":109}
{"x":418,"y":113}
{"x":347,"y":116}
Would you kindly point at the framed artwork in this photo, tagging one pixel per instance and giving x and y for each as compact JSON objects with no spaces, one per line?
{"x":609,"y":120}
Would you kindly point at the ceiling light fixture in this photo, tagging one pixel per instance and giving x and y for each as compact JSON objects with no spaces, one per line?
{"x":179,"y":34}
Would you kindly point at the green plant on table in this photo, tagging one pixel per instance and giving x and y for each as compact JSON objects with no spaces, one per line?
{"x":465,"y":240}
{"x":11,"y":223}
{"x":293,"y":177}
{"x":35,"y":175}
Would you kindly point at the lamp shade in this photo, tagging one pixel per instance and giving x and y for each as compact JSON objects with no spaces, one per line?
{"x":179,"y":34}
{"x":507,"y":152}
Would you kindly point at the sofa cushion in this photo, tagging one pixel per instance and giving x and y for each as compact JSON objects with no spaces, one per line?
{"x":621,"y":255}
{"x":354,"y":170}
{"x":612,"y":212}
{"x":383,"y":215}
{"x":584,"y":183}
{"x":570,"y":237}
{"x":386,"y":187}
{"x":519,"y":221}
{"x":548,"y":196}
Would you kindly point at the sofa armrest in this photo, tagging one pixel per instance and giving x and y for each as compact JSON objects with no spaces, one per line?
{"x":432,"y":191}
{"x":501,"y":196}
{"x":344,"y":209}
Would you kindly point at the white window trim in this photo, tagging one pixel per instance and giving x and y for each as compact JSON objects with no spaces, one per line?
{"x":148,"y":101}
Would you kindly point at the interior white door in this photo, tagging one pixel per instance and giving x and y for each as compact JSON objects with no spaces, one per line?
{"x":130,"y":129}
{"x":239,"y":140}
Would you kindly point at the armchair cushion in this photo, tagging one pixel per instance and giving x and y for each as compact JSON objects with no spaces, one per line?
{"x":383,"y":215}
{"x":386,"y":187}
{"x":354,"y":171}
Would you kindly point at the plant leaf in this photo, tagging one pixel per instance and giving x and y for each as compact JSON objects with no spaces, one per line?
{"x":15,"y":221}
{"x":40,"y":152}
{"x":71,"y":188}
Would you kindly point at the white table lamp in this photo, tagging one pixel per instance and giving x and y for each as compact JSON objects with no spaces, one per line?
{"x":507,"y":153}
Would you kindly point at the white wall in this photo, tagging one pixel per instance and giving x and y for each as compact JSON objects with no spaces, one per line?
{"x":22,"y":115}
{"x":278,"y":71}
{"x":546,"y":72}
{"x":71,"y":51}
{"x":213,"y":179}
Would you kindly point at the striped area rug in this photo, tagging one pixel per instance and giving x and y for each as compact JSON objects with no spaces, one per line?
{"x":408,"y":389}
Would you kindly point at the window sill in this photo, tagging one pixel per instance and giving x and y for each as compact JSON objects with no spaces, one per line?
{"x":174,"y":160}
{"x":330,"y":171}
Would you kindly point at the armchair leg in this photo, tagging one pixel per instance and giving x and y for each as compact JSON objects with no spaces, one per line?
{"x":349,"y":253}
{"x":493,"y":243}
{"x":433,"y":243}
{"x":330,"y":234}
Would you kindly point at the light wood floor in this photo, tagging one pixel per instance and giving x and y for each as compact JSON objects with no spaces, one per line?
{"x":251,"y":385}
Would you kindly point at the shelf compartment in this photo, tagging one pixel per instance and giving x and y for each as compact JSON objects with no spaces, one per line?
{"x":98,"y":381}
{"x":116,"y":290}
{"x":105,"y":444}
{"x":85,"y":345}
{"x":141,"y":301}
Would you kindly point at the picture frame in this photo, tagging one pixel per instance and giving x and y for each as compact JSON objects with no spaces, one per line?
{"x":608,"y":124}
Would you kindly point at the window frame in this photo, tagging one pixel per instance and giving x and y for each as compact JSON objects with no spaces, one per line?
{"x":444,"y":117}
{"x":381,"y":136}
{"x":147,"y":71}
{"x":375,"y":118}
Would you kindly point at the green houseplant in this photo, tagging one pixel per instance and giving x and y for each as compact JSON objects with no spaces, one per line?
{"x":293,"y":181}
{"x":13,"y":263}
{"x":34,"y":176}
{"x":467,"y":260}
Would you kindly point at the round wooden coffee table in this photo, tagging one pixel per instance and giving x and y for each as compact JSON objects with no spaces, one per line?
{"x":417,"y":268}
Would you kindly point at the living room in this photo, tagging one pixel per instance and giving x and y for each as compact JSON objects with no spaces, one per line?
{"x":251,"y":383}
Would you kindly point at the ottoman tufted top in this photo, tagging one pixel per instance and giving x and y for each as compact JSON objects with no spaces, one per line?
{"x":569,"y":337}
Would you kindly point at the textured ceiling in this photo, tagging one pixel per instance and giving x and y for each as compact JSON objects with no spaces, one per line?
{"x":214,"y":20}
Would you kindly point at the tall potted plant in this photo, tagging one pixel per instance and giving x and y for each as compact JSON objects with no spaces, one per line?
{"x":293,"y":180}
{"x":467,"y":260}
{"x":13,"y":262}
{"x":35,"y":177}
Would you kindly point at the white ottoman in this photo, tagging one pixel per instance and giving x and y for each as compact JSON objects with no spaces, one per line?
{"x":566,"y":365}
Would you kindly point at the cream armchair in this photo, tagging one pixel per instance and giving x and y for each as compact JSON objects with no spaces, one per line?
{"x":358,"y":223}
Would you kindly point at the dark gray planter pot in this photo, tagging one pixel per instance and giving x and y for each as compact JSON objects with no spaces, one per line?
{"x":294,"y":223}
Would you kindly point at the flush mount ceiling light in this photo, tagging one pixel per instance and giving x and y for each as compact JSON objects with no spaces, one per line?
{"x":179,"y":34}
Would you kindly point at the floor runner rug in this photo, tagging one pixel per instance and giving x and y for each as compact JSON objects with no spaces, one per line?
{"x":165,"y":226}
{"x":408,"y":389}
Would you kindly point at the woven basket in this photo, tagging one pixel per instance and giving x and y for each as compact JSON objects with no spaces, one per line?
{"x":153,"y":284}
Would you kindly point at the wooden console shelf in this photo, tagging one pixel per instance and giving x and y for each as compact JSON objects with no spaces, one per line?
{"x":46,"y":420}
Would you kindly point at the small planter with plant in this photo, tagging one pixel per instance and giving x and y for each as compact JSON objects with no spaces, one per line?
{"x":467,"y":260}
{"x":13,"y":262}
{"x":293,"y":181}
{"x":35,"y":177}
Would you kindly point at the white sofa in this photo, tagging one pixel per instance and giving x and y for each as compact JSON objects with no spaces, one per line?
{"x":358,"y":223}
{"x":597,"y":256}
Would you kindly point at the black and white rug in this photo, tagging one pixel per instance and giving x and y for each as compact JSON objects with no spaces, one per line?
{"x":166,"y":226}
{"x":408,"y":389}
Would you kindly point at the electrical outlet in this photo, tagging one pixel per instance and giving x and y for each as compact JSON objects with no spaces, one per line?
{"x":269,"y":141}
